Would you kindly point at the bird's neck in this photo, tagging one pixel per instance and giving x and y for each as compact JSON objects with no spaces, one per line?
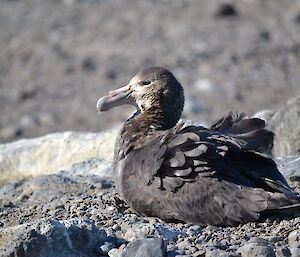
{"x":155,"y":119}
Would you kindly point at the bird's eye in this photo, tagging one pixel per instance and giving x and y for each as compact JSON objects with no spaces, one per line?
{"x":146,"y":82}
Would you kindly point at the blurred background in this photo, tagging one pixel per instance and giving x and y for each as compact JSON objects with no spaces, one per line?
{"x":57,"y":57}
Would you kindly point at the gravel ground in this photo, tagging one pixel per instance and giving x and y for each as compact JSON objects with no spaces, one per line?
{"x":67,"y":196}
{"x":57,"y":57}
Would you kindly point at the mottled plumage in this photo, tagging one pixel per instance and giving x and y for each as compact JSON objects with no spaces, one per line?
{"x":190,"y":173}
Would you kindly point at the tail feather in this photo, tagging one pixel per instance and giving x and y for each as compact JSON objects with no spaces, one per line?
{"x":251,"y":131}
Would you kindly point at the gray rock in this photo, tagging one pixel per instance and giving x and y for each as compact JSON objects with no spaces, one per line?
{"x":295,"y":252}
{"x":54,"y":152}
{"x":35,"y":189}
{"x":147,"y":247}
{"x":289,"y":166}
{"x":259,"y":240}
{"x":213,"y":228}
{"x":283,"y":252}
{"x":105,"y":247}
{"x":264,"y":115}
{"x":92,"y":167}
{"x":167,"y":233}
{"x":217,"y":253}
{"x":294,"y":238}
{"x":114,"y":252}
{"x":285,"y":123}
{"x":51,"y":238}
{"x":256,"y":250}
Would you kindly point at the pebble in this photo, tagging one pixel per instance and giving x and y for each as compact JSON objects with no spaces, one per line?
{"x":295,"y":252}
{"x":283,"y":252}
{"x":258,"y":240}
{"x":294,"y":238}
{"x":146,"y":247}
{"x":256,"y":250}
{"x":106,"y":247}
{"x":226,"y":10}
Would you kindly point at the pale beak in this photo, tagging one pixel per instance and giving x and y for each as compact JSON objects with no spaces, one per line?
{"x":115,"y":98}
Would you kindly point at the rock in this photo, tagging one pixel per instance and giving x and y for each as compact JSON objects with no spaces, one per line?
{"x":106,"y":247}
{"x":88,"y":64}
{"x":283,"y":252}
{"x":213,"y":228}
{"x":94,"y":169}
{"x":114,"y":252}
{"x":226,"y":10}
{"x":256,"y":250}
{"x":147,"y":247}
{"x":258,"y":240}
{"x":53,"y":152}
{"x":289,"y":166}
{"x":294,"y":238}
{"x":167,"y":233}
{"x":295,"y":252}
{"x":264,"y":115}
{"x":285,"y":124}
{"x":217,"y":253}
{"x":70,"y":237}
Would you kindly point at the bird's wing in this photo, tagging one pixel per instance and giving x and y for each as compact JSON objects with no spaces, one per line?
{"x":209,"y":178}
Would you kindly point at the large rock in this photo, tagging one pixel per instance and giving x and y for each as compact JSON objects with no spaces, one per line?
{"x":256,"y":250}
{"x":286,"y":125}
{"x":289,"y":166}
{"x":146,"y":247}
{"x":49,"y":238}
{"x":53,"y":152}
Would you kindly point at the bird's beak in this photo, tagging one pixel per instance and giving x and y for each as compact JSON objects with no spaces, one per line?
{"x":115,"y":98}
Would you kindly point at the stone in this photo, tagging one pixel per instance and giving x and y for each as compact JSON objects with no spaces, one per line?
{"x":96,"y":171}
{"x":295,"y":252}
{"x":146,"y":247}
{"x":283,"y":252}
{"x":294,"y":238}
{"x":259,"y":240}
{"x":72,"y":238}
{"x":264,"y":115}
{"x":105,"y":247}
{"x":289,"y":166}
{"x":53,"y":152}
{"x":256,"y":250}
{"x":285,"y":124}
{"x":167,"y":233}
{"x":114,"y":252}
{"x":213,"y":228}
{"x":226,"y":10}
{"x":217,"y":253}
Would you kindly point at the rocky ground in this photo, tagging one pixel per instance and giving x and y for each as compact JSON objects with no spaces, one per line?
{"x":77,"y":212}
{"x":57,"y":57}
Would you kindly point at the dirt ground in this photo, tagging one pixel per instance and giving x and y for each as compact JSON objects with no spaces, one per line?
{"x":57,"y":57}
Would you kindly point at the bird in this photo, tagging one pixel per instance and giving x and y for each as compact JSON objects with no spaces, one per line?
{"x":168,"y":169}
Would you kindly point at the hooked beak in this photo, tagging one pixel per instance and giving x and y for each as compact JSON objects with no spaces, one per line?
{"x":115,"y":98}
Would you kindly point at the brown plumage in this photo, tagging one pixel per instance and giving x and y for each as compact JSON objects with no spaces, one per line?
{"x":188,"y":173}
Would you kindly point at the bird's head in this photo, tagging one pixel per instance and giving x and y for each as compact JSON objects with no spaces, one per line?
{"x":150,"y":89}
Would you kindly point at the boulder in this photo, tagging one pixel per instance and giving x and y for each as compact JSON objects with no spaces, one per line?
{"x":49,"y":238}
{"x":285,"y":123}
{"x":53,"y":152}
{"x":289,"y":166}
